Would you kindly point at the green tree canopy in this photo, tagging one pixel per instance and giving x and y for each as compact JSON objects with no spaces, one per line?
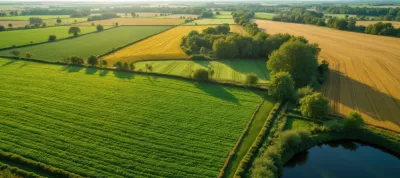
{"x":315,"y":105}
{"x":282,"y":86}
{"x":296,"y":57}
{"x":74,"y":30}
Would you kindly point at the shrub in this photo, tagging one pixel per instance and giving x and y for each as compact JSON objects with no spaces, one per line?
{"x":302,"y":92}
{"x":2,"y":28}
{"x":100,"y":28}
{"x":28,"y":55}
{"x":282,"y":86}
{"x":76,"y":60}
{"x":201,"y":75}
{"x":93,"y":60}
{"x":16,"y":53}
{"x":74,"y":30}
{"x":335,"y":126}
{"x":251,"y":79}
{"x":118,"y":65}
{"x":52,"y":38}
{"x":353,"y":120}
{"x":315,"y":105}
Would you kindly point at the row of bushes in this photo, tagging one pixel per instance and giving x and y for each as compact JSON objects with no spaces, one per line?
{"x":103,"y":16}
{"x":35,"y":165}
{"x":247,"y":160}
{"x":8,"y":171}
{"x":243,"y":18}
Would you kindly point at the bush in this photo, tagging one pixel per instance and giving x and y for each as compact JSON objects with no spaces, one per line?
{"x":76,"y":60}
{"x":52,"y":38}
{"x":201,"y":75}
{"x":353,"y":120}
{"x":282,"y":86}
{"x":93,"y":60}
{"x":302,"y":92}
{"x":100,"y":28}
{"x":2,"y":28}
{"x":315,"y":105}
{"x":251,"y":79}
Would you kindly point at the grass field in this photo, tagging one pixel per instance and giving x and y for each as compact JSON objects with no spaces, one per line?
{"x":25,"y":18}
{"x":366,"y":23}
{"x":110,"y":124}
{"x":66,"y":21}
{"x":92,"y":44}
{"x":211,"y":22}
{"x":177,"y":16}
{"x":224,"y":15}
{"x":162,"y":46}
{"x":136,"y":21}
{"x":295,"y":123}
{"x":264,"y":15}
{"x":364,"y":70}
{"x":225,"y":70}
{"x":23,"y":37}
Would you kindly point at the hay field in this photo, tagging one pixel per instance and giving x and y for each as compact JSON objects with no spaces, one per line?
{"x":37,"y":35}
{"x":225,"y":70}
{"x":91,"y":44}
{"x":162,"y":46}
{"x":264,"y":15}
{"x":366,"y":23}
{"x":365,"y":70}
{"x":26,"y":18}
{"x":136,"y":21}
{"x":15,"y":23}
{"x":111,"y":124}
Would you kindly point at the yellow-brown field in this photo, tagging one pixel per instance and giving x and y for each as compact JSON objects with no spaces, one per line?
{"x":136,"y":21}
{"x":366,"y":23}
{"x":364,"y":70}
{"x":162,"y":46}
{"x":14,"y":23}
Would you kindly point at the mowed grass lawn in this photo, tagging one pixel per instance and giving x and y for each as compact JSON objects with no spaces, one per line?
{"x":27,"y":17}
{"x":91,"y":44}
{"x":23,"y":37}
{"x":211,"y":22}
{"x":264,"y":15}
{"x":110,"y":124}
{"x":225,"y":70}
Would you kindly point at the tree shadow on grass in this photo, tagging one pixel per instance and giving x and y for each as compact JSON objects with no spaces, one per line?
{"x":123,"y":75}
{"x":256,"y":66}
{"x":362,"y":97}
{"x":23,"y":65}
{"x":202,"y":62}
{"x":8,"y":63}
{"x":90,"y":71}
{"x":70,"y":68}
{"x":103,"y":73}
{"x":218,"y":91}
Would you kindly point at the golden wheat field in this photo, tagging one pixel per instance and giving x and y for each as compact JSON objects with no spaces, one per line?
{"x":366,"y":23}
{"x":165,"y":45}
{"x":136,"y":21}
{"x":364,"y":70}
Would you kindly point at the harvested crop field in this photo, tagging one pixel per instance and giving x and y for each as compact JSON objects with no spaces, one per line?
{"x":366,"y":23}
{"x":23,"y":37}
{"x":136,"y":21}
{"x":211,"y":22}
{"x":365,"y":70}
{"x":110,"y":124}
{"x":165,"y":45}
{"x":225,"y":70}
{"x":91,"y":44}
{"x":177,"y":16}
{"x":14,"y":23}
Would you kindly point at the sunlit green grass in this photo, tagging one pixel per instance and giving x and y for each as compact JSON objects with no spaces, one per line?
{"x":264,"y":15}
{"x":27,"y":17}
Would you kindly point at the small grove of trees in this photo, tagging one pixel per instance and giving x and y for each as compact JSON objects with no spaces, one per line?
{"x":35,"y":21}
{"x":99,"y":28}
{"x":201,"y":75}
{"x":125,"y":66}
{"x":380,"y":28}
{"x":298,"y":58}
{"x":243,"y":18}
{"x":74,"y":30}
{"x":76,"y":60}
{"x":102,"y":16}
{"x":314,"y":105}
{"x":16,"y":53}
{"x":2,"y":28}
{"x":93,"y":60}
{"x":206,"y":14}
{"x":301,"y":15}
{"x":281,"y":86}
{"x":251,"y":79}
{"x":58,"y":20}
{"x":52,"y":38}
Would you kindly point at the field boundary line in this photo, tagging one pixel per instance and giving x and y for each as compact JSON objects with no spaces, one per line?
{"x":226,"y":83}
{"x":17,"y":159}
{"x":18,"y":171}
{"x":233,"y":152}
{"x":132,"y":43}
{"x":62,"y":39}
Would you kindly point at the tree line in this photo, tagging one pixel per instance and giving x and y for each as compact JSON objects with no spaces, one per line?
{"x":169,"y":10}
{"x":385,"y":13}
{"x":301,"y":15}
{"x":103,"y":16}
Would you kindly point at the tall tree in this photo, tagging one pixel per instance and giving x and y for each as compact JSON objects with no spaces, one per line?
{"x":74,"y":30}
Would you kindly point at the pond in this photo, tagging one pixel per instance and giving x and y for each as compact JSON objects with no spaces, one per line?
{"x":344,"y":159}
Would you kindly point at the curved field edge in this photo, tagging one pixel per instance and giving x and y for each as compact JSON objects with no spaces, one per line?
{"x":251,"y":138}
{"x":91,"y":44}
{"x":108,"y":123}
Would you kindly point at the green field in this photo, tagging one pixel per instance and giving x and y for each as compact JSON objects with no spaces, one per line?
{"x":225,"y":70}
{"x":23,"y":37}
{"x":24,"y":18}
{"x":294,"y":123}
{"x":92,"y":44}
{"x":224,"y":15}
{"x":263,"y":15}
{"x":211,"y":22}
{"x":110,"y":124}
{"x":66,"y":21}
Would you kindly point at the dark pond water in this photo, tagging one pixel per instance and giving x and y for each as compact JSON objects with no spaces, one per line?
{"x":343,"y":159}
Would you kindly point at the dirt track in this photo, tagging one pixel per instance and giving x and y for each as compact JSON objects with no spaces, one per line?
{"x":365,"y":73}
